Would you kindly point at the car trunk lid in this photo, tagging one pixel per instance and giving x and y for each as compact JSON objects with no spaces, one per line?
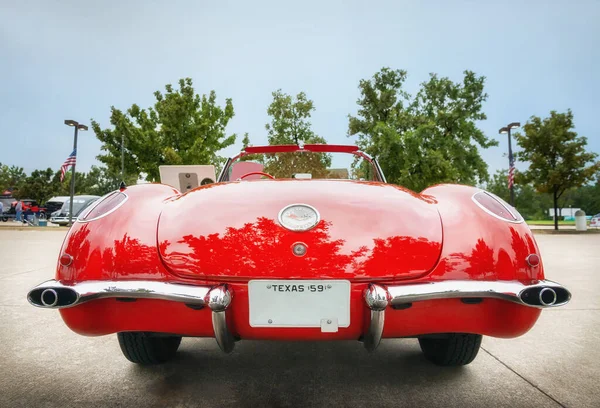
{"x":366,"y":231}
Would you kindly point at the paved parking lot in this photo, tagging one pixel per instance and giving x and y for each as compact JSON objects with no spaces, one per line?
{"x":43,"y":364}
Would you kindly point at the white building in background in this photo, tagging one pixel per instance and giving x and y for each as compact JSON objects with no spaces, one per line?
{"x":568,"y":213}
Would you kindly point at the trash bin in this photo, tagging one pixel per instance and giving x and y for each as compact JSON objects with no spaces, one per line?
{"x":42,"y":221}
{"x":580,"y":221}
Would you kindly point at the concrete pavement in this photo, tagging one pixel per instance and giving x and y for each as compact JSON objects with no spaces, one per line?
{"x":44,"y":364}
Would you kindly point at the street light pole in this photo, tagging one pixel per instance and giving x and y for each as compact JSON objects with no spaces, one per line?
{"x":511,"y":161}
{"x":511,"y":164}
{"x":73,"y":178}
{"x":122,"y":157}
{"x":77,"y":126}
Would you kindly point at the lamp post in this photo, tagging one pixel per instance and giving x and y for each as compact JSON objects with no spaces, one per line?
{"x":511,"y":162}
{"x":78,"y":126}
{"x":122,"y":157}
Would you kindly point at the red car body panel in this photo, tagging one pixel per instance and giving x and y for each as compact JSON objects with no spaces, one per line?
{"x":367,"y":231}
{"x":159,"y":235}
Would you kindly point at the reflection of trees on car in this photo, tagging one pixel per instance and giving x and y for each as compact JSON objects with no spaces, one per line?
{"x":214,"y":254}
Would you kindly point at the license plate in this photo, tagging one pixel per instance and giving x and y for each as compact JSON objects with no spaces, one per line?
{"x":299,"y":303}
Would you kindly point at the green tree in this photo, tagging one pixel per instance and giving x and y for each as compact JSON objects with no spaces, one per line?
{"x":290,"y":124}
{"x":99,"y":181}
{"x":181,"y":128}
{"x":426,"y":139}
{"x":556,"y":155}
{"x":11,"y":178}
{"x":40,"y":185}
{"x":245,"y":141}
{"x":585,"y":197}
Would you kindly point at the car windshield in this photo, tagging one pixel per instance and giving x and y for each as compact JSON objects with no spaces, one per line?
{"x":301,"y":165}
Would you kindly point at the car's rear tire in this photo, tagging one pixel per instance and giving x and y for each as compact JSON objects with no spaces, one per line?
{"x":144,"y":349}
{"x":456,"y":349}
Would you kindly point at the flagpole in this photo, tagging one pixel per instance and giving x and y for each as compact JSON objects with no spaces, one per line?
{"x":511,"y":161}
{"x":511,"y":170}
{"x":73,"y":178}
{"x":77,"y":127}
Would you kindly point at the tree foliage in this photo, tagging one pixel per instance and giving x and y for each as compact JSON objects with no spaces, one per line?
{"x":42,"y":185}
{"x":426,"y":139}
{"x":11,"y":177}
{"x":556,"y":155}
{"x":181,"y":128}
{"x":290,"y":124}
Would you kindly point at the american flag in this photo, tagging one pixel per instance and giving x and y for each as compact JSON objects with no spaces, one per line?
{"x":70,"y":161}
{"x":511,"y":172}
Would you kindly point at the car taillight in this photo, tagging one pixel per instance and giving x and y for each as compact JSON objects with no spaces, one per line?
{"x":104,"y":206}
{"x":494,"y":205}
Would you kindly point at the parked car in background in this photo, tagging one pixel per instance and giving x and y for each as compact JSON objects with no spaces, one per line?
{"x":595,"y":221}
{"x":80,"y":203}
{"x":6,"y":204}
{"x":30,"y":206}
{"x":55,"y":204}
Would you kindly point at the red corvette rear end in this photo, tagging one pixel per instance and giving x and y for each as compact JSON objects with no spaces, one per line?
{"x":300,"y":257}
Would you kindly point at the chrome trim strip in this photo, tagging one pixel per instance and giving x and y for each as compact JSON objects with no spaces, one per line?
{"x":91,"y":290}
{"x":97,"y":203}
{"x":225,"y":168}
{"x":380,"y":171}
{"x":504,"y":290}
{"x":519,"y":217}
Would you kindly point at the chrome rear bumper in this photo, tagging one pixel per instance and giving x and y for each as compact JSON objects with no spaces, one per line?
{"x":55,"y":295}
{"x":542,"y":294}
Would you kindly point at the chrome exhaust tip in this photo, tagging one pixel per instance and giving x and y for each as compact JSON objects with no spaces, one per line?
{"x":49,"y":298}
{"x":545,"y":296}
{"x":52,"y":297}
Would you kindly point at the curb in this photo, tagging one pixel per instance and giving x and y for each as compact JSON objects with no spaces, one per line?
{"x":564,"y":232}
{"x":23,"y":228}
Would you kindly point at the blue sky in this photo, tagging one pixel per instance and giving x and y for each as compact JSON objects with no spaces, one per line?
{"x":74,"y":59}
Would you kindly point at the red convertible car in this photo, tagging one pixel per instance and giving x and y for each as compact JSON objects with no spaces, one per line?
{"x":300,"y":242}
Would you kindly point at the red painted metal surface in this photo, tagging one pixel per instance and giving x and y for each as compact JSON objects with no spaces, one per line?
{"x":477,"y":245}
{"x":369,"y":232}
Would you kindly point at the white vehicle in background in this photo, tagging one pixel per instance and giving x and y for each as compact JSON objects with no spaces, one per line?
{"x":80,"y":203}
{"x":595,"y":221}
{"x":54,"y":204}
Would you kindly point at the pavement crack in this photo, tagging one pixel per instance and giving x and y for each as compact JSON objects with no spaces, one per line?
{"x":24,"y":272}
{"x":524,"y":379}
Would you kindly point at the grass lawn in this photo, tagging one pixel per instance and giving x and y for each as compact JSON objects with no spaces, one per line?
{"x":549,"y":222}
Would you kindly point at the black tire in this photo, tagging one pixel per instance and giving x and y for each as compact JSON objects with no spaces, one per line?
{"x":455,"y":350}
{"x":141,"y":348}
